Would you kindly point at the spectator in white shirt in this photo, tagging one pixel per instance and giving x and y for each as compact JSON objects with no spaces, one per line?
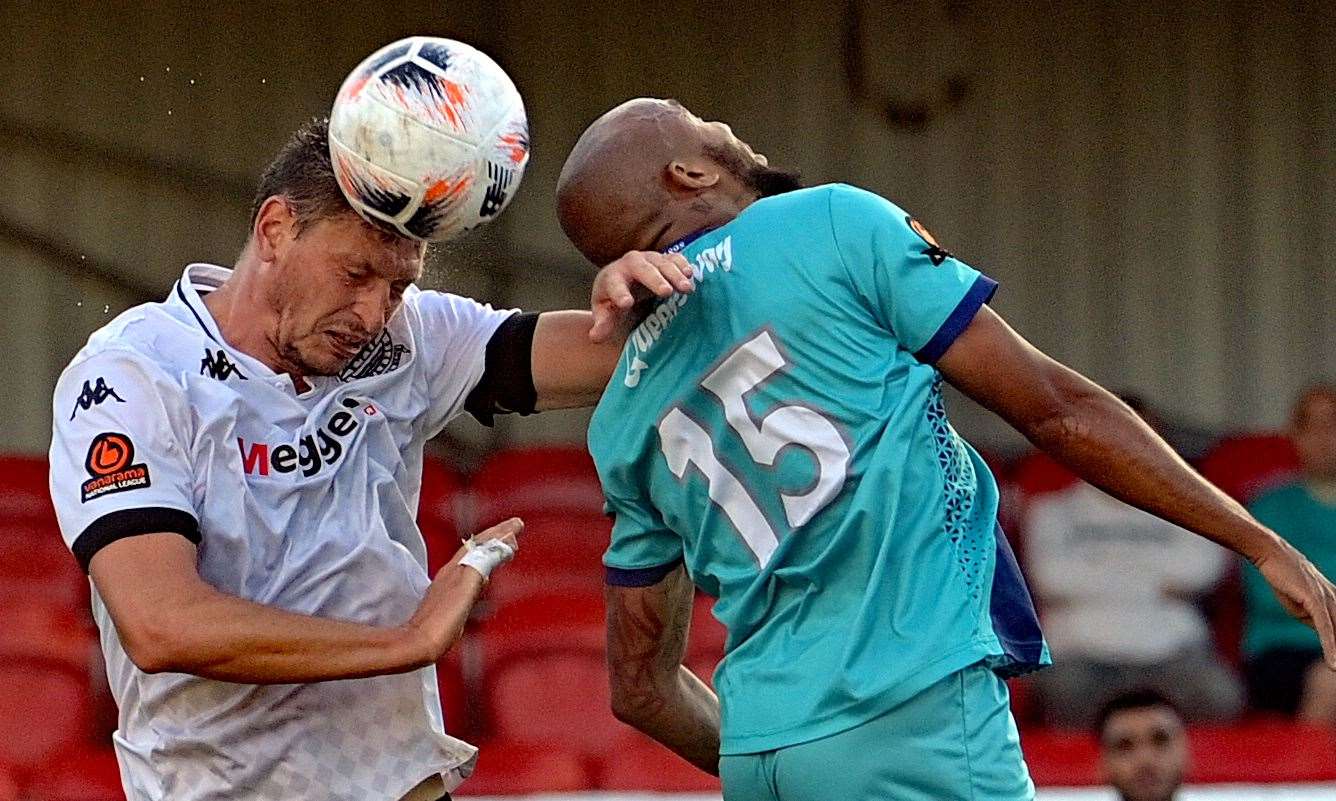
{"x":1118,"y":592}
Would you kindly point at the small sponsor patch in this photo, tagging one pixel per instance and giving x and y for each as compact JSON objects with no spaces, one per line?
{"x":935,"y":252}
{"x":110,"y":462}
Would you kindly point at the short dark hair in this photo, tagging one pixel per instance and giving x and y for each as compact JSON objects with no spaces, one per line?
{"x":303,"y":174}
{"x":1144,"y":698}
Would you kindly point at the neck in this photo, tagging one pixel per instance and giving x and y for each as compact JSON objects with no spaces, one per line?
{"x":246,"y":320}
{"x":705,"y":214}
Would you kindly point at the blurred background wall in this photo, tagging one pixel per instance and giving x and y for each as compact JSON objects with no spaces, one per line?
{"x":1152,"y":183}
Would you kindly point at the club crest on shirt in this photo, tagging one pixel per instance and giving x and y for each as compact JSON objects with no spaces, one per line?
{"x":110,"y":462}
{"x":379,"y":356}
{"x":933,"y":251}
{"x":93,"y":395}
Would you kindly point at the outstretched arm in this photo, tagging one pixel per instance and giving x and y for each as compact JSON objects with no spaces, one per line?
{"x":170,"y":620}
{"x":651,"y":690}
{"x":1096,"y":435}
{"x":576,"y":352}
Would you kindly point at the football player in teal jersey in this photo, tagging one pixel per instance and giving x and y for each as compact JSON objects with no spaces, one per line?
{"x":778,"y":438}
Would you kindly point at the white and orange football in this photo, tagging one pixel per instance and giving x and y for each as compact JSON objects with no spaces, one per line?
{"x":429,"y":138}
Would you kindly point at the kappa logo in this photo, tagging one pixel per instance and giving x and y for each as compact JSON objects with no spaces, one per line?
{"x":217,"y":365}
{"x":313,"y":452}
{"x":110,"y":462}
{"x":380,"y":355}
{"x":935,"y":252}
{"x":93,"y":395}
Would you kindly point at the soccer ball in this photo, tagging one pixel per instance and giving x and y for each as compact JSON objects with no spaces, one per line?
{"x":428,"y":138}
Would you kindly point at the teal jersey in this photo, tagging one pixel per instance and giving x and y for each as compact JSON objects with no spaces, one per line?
{"x":1307,"y":523}
{"x":781,"y":431}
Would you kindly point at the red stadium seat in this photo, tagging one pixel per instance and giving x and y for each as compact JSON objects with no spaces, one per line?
{"x":36,"y":565}
{"x":524,"y":481}
{"x":545,"y":674}
{"x":1246,"y":465}
{"x":439,"y":510}
{"x":27,"y":496}
{"x":44,"y":709}
{"x":515,"y":768}
{"x":86,"y":773}
{"x":9,"y":787}
{"x":559,"y":552}
{"x":1061,"y":758}
{"x":1263,"y":752}
{"x":560,"y":696}
{"x":1037,"y":473}
{"x":636,"y":762}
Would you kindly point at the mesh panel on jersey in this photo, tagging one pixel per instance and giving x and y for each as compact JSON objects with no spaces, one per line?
{"x":959,"y":484}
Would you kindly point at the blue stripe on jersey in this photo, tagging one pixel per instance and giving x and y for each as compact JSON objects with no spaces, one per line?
{"x":1014,"y":619}
{"x":638,"y":577}
{"x":979,"y":293}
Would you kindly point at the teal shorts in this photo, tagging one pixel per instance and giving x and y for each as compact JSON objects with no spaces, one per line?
{"x":955,"y":741}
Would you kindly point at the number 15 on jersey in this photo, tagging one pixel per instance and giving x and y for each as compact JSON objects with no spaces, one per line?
{"x":685,"y":442}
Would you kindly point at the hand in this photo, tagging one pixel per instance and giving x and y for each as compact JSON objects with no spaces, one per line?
{"x":1304,"y":592}
{"x":493,"y":548}
{"x":506,"y":531}
{"x":439,"y":619}
{"x":636,"y":276}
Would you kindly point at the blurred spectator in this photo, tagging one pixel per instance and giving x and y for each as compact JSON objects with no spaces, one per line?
{"x":1282,"y":655}
{"x":1143,"y":748}
{"x":1117,"y":589}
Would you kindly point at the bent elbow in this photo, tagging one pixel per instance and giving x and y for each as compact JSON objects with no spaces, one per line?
{"x":632,"y":705}
{"x":152,"y":646}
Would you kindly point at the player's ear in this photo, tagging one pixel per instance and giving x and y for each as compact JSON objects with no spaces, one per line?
{"x":273,"y":225}
{"x":692,"y":175}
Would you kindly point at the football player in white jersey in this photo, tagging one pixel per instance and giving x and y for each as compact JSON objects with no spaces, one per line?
{"x":238,"y":469}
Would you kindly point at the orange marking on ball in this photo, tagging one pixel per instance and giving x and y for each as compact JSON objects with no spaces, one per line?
{"x":436,"y":191}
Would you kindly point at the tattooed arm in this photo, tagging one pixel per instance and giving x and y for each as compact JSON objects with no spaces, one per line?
{"x":651,"y":690}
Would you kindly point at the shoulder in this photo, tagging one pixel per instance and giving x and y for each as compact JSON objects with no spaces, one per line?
{"x":143,"y":340}
{"x":429,"y":307}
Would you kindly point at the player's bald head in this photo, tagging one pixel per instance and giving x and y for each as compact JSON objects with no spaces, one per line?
{"x":649,"y":167}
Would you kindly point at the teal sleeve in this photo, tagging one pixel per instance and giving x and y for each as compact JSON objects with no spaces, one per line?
{"x":643,"y":550}
{"x":918,"y":291}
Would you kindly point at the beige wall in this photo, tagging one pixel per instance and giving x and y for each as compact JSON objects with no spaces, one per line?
{"x":1154,"y":188}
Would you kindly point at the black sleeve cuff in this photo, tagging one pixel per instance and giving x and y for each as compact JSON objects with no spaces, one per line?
{"x":638,"y":577}
{"x":506,"y":386}
{"x":129,"y":523}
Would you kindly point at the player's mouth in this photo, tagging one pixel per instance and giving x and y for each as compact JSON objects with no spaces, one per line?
{"x":344,"y":345}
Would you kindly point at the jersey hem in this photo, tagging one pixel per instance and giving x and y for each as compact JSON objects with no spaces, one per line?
{"x":638,"y":576}
{"x":922,"y":677}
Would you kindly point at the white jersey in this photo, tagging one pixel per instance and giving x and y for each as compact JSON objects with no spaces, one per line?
{"x":302,"y":501}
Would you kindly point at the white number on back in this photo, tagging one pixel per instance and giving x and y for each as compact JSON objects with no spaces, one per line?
{"x":685,"y":442}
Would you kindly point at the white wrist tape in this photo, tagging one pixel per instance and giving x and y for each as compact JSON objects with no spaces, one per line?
{"x":487,"y":556}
